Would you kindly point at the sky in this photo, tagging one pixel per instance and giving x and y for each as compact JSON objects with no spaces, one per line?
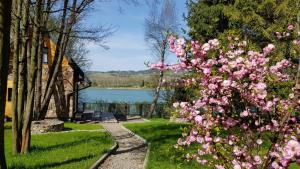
{"x":127,"y":47}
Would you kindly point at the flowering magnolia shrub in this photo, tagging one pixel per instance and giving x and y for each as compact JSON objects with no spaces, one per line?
{"x":236,"y":123}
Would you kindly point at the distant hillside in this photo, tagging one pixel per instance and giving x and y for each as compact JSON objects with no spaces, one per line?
{"x":128,"y":79}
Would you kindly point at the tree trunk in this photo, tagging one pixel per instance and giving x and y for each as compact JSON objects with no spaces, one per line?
{"x":58,"y":57}
{"x":22,"y":68}
{"x":61,"y":94}
{"x":38,"y":95}
{"x":63,"y":40}
{"x":22,"y":61}
{"x":156,"y":94}
{"x":5,"y":23}
{"x":31,"y":69}
{"x":160,"y":80}
{"x":16,"y":148}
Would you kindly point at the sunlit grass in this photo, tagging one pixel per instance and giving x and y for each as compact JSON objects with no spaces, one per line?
{"x":75,"y":126}
{"x":163,"y":136}
{"x":61,"y":150}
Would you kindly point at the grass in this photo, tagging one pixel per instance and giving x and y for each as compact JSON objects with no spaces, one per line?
{"x":163,"y":136}
{"x":7,"y":125}
{"x":61,"y":150}
{"x":75,"y":126}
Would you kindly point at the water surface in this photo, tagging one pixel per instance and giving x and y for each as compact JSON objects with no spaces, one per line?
{"x":92,"y":95}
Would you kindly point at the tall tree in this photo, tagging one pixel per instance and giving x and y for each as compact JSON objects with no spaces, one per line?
{"x":5,"y":23}
{"x":31,"y":69}
{"x":161,"y":21}
{"x":16,"y":21}
{"x":30,"y":26}
{"x":27,"y":42}
{"x":43,"y":31}
{"x":255,"y":20}
{"x":65,"y":29}
{"x":21,"y":65}
{"x":69,"y":28}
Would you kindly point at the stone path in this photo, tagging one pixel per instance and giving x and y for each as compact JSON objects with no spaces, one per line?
{"x":131,"y":152}
{"x":108,"y":117}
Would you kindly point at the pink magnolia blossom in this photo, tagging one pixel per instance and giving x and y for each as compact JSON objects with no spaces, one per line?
{"x":219,"y":167}
{"x":259,"y":141}
{"x":291,"y":149}
{"x":291,"y":27}
{"x":181,"y":41}
{"x":245,"y":113}
{"x":269,"y":49}
{"x":176,"y":105}
{"x":234,"y":97}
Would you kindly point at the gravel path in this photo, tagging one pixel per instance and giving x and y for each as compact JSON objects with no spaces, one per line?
{"x":131,"y":152}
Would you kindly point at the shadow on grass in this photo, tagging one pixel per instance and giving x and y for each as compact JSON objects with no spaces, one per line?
{"x":67,"y":129}
{"x":50,"y":165}
{"x":160,"y":127}
{"x":164,"y":133}
{"x":165,"y":138}
{"x":36,"y":148}
{"x":168,"y":126}
{"x":138,"y":147}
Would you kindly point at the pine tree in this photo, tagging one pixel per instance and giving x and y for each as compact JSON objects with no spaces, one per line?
{"x":254,"y":20}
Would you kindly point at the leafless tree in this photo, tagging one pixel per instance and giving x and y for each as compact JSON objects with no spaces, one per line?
{"x":25,"y":29}
{"x":160,"y":22}
{"x":69,"y":29}
{"x":79,"y":53}
{"x":31,"y":23}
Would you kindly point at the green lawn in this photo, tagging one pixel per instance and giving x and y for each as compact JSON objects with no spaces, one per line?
{"x":71,"y":126}
{"x":7,"y":125}
{"x":61,"y":150}
{"x":75,"y":126}
{"x":163,"y":136}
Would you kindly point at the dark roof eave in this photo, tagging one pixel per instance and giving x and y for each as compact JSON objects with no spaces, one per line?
{"x":75,"y":67}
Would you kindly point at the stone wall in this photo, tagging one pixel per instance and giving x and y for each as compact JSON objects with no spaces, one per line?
{"x":45,"y":126}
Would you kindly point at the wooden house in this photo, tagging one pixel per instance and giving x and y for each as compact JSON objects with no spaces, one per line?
{"x":64,"y":101}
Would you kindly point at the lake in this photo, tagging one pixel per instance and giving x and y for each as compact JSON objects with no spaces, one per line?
{"x":92,"y":95}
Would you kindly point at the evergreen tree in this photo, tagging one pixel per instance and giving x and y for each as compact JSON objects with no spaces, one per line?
{"x":254,"y":20}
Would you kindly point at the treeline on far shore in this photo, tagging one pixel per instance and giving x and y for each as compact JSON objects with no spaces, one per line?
{"x":129,"y":79}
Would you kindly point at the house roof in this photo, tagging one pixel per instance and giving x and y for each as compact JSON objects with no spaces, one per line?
{"x":73,"y":65}
{"x":76,"y":67}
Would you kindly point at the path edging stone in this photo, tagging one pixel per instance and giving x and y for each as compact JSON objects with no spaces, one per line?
{"x":70,"y":131}
{"x":147,"y":156}
{"x":105,"y":156}
{"x":141,"y":138}
{"x":146,"y":120}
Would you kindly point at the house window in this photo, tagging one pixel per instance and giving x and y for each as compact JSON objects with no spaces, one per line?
{"x":45,"y":55}
{"x":9,"y":94}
